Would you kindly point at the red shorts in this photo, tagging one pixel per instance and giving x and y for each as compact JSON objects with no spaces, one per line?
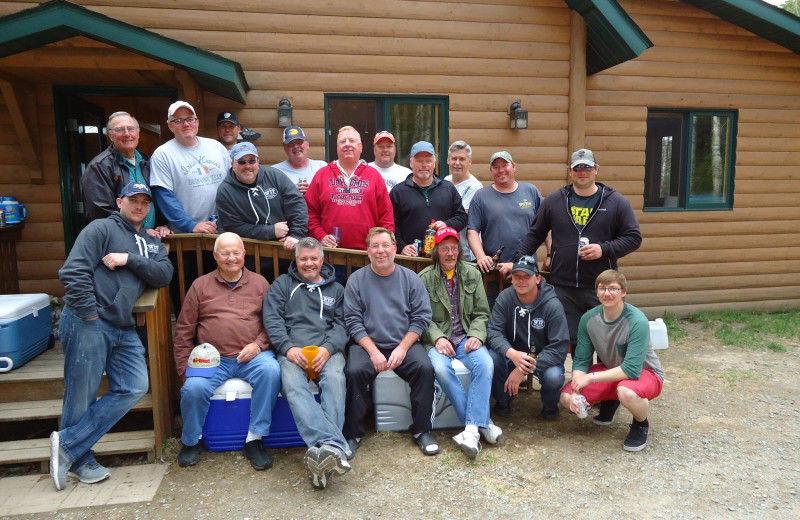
{"x":648,"y":386}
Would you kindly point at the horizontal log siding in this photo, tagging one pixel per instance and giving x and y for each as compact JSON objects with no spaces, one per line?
{"x":697,"y":260}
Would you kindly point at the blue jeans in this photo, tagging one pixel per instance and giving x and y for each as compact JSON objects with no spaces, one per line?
{"x":471,"y":407}
{"x":318,"y":423}
{"x":551,"y":379}
{"x":90,"y":347}
{"x":262,"y":372}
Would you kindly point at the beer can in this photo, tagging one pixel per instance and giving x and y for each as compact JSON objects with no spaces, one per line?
{"x":213,"y":218}
{"x":418,"y":245}
{"x":583,"y":242}
{"x":302,"y":180}
{"x":583,"y":406}
{"x":2,"y":218}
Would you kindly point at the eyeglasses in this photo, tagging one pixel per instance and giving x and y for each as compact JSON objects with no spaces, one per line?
{"x":181,"y":120}
{"x":584,"y":167}
{"x":242,"y":162}
{"x":228,"y":254}
{"x":611,"y":290}
{"x":121,"y":129}
{"x":453,"y":249}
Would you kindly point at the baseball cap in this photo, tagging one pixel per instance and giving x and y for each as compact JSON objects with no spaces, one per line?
{"x":239,"y":150}
{"x":582,"y":156}
{"x":526,"y":264}
{"x":444,"y":233}
{"x":179,"y":104}
{"x":293,"y":133}
{"x":422,"y":146}
{"x":132,"y":188}
{"x":383,"y":134}
{"x":203,"y":361}
{"x":502,"y":155}
{"x":227,"y":117}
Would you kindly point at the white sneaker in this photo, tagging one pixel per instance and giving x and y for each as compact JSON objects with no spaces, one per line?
{"x":469,"y":443}
{"x":492,"y":433}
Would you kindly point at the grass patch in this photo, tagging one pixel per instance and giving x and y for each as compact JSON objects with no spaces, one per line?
{"x":675,"y":331}
{"x":752,"y":329}
{"x":734,"y":375}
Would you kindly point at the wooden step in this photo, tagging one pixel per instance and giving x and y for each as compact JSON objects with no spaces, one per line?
{"x":49,"y":409}
{"x":38,"y":450}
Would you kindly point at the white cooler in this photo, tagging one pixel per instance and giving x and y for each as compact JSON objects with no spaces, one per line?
{"x":25,"y":327}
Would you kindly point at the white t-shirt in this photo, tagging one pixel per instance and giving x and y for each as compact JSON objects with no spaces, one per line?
{"x":294,"y":174}
{"x":192,"y":173}
{"x":394,"y":174}
{"x":467,"y":189}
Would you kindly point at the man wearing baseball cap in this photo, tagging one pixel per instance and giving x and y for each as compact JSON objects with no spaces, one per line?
{"x":384,"y":147}
{"x":297,"y":165}
{"x":109,"y":267}
{"x":528,"y":335}
{"x":424,"y":200}
{"x":458,"y":331}
{"x":228,"y":129}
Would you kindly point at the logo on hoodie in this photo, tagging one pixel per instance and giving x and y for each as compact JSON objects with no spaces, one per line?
{"x":328,"y":301}
{"x":538,"y":323}
{"x":270,"y":193}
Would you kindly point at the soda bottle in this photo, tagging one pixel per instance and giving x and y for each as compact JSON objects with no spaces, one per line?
{"x":496,"y":257}
{"x":430,"y":240}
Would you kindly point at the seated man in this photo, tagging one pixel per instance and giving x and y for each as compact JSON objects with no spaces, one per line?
{"x":306,"y":307}
{"x":528,"y":335}
{"x":628,"y":371}
{"x":458,"y":330}
{"x":224,"y":308}
{"x":386,"y":310}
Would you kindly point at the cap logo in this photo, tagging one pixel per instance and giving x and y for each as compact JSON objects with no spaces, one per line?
{"x":140,"y":186}
{"x":227,"y":114}
{"x":293,"y":131}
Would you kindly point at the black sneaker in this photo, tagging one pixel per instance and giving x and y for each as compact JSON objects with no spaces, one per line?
{"x":550,"y":414}
{"x":427,"y":444}
{"x":258,"y":456}
{"x":503,"y":408}
{"x":608,"y":409}
{"x":353,"y":445}
{"x":190,"y":455}
{"x":636,"y":439}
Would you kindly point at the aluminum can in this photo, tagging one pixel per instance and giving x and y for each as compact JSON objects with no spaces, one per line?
{"x":583,"y":242}
{"x":2,"y":218}
{"x":302,"y":180}
{"x":418,"y":245}
{"x":583,"y":407}
{"x":213,"y":218}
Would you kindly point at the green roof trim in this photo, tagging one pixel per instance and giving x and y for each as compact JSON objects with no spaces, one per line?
{"x":58,"y":20}
{"x":760,"y":18}
{"x":612,"y":37}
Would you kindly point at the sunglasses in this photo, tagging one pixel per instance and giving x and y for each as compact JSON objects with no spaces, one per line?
{"x":242,"y":162}
{"x":586,"y":167}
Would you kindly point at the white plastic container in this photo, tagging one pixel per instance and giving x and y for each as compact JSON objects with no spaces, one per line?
{"x":25,"y":327}
{"x":658,"y":335}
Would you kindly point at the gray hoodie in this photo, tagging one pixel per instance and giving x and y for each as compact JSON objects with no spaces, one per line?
{"x":92,"y":289}
{"x":297,"y":313}
{"x":539,"y":327}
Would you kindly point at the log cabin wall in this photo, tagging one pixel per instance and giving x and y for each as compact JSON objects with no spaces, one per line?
{"x":484,"y":57}
{"x":693,"y":260}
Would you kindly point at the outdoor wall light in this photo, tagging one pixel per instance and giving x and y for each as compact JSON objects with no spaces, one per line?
{"x":518,"y":116}
{"x":284,"y":113}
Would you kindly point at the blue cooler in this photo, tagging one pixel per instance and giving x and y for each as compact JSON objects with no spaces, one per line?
{"x":392,"y":403}
{"x":228,"y":419}
{"x":25,"y":327}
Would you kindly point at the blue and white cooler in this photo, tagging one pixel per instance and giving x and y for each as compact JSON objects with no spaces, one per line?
{"x":228,"y":419}
{"x":25,"y":327}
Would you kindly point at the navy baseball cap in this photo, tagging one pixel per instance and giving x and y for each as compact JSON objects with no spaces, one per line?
{"x":526,"y":264}
{"x":227,"y":117}
{"x":293,"y":133}
{"x":132,"y":188}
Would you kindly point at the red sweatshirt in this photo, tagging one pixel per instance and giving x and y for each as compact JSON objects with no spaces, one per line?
{"x":356,"y":208}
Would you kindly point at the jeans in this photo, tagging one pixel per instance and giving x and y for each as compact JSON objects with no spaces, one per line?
{"x":262,"y":372}
{"x":90,"y":347}
{"x":472,"y":407}
{"x":318,"y":423}
{"x":551,"y":379}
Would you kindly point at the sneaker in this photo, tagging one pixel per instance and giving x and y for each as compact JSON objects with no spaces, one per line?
{"x":59,"y":462}
{"x":608,"y":409}
{"x":502,"y":409}
{"x":636,"y":439}
{"x":353,"y":444}
{"x":91,"y":473}
{"x":190,"y":455}
{"x":427,"y":443}
{"x":469,"y":442}
{"x":492,"y":433}
{"x":315,"y":474}
{"x":257,"y":454}
{"x":550,"y":414}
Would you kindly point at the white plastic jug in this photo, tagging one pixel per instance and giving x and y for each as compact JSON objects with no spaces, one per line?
{"x":658,"y":335}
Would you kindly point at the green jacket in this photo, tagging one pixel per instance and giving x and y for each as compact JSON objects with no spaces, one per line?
{"x":472,"y":303}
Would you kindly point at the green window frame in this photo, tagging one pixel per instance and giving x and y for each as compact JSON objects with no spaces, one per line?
{"x":410,"y":118}
{"x":690,"y":159}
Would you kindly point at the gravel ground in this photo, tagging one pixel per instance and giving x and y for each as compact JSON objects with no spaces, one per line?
{"x":724,"y":443}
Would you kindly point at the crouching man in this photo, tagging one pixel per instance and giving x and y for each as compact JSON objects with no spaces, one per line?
{"x":306,"y":308}
{"x":628,"y":370}
{"x":224,"y":308}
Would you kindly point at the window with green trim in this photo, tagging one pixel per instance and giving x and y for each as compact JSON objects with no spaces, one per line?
{"x":408,"y":118}
{"x":690,"y":159}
